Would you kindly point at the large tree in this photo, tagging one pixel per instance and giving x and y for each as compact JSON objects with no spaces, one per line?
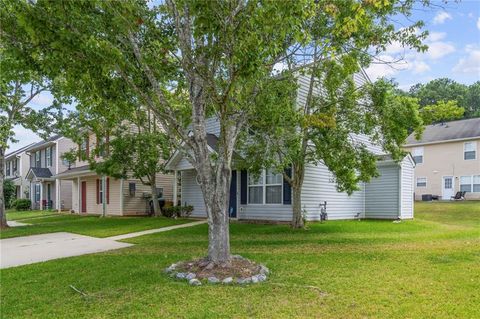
{"x":188,"y":60}
{"x":20,"y":83}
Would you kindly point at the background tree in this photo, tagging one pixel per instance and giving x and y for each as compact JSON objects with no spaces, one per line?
{"x":466,"y":97}
{"x":188,"y":60}
{"x":441,"y":111}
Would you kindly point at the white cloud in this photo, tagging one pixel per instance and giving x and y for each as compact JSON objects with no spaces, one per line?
{"x":385,"y":66}
{"x":419,"y":67}
{"x":436,"y":36}
{"x":24,"y":138}
{"x":478,"y":23}
{"x":469,"y":64}
{"x":439,"y":49}
{"x":43,"y":99}
{"x":441,"y":17}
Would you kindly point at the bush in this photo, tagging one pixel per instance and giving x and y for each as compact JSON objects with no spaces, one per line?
{"x":22,"y":204}
{"x":177,"y":211}
{"x":9,"y":190}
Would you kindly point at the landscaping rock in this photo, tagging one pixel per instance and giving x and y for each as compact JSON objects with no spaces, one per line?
{"x":194,"y":282}
{"x":171,"y":268}
{"x":244,"y":281}
{"x":213,"y":280}
{"x":261,"y":277}
{"x":227,"y":280}
{"x":190,"y":275}
{"x":255,"y":279}
{"x":181,"y":275}
{"x":264,"y":270}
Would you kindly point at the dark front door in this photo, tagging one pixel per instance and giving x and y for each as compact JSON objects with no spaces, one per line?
{"x":232,"y":207}
{"x":84,"y":197}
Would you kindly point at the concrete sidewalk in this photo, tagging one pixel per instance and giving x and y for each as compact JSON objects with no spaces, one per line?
{"x":37,"y":248}
{"x":26,"y":250}
{"x":156,"y":230}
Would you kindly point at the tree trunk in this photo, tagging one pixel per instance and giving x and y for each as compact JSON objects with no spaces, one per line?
{"x":297,"y":183}
{"x":3,"y":215}
{"x":216,"y":203}
{"x":156,"y":206}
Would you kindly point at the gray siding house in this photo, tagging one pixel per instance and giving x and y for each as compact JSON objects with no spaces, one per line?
{"x":45,"y":161}
{"x":268,"y":198}
{"x":17,"y":164}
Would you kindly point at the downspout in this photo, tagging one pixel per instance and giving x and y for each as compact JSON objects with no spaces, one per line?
{"x":400,"y":192}
{"x":121,"y":196}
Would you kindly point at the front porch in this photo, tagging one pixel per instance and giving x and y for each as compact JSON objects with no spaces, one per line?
{"x":42,"y":188}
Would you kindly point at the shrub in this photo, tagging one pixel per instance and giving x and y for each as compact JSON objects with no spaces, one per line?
{"x":9,"y":190}
{"x":22,"y":204}
{"x":177,"y":211}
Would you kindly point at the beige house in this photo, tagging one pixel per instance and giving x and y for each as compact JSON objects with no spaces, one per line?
{"x":447,"y":159}
{"x":122,"y":196}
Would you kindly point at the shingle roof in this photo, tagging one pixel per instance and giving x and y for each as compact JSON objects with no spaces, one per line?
{"x":74,"y":170}
{"x":41,"y":172}
{"x":448,"y":131}
{"x":18,"y":151}
{"x":44,"y":142}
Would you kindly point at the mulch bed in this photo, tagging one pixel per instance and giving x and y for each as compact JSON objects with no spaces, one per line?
{"x":238,"y":267}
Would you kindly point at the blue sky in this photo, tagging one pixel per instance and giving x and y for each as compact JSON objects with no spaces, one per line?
{"x":454,"y":52}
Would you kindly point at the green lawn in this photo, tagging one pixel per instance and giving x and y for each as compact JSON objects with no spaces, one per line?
{"x":426,"y":268}
{"x":84,"y":225}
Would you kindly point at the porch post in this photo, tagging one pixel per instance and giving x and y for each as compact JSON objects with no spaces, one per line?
{"x":104,"y":196}
{"x":59,"y":195}
{"x":79,"y":196}
{"x":121,"y":196}
{"x":175,"y":199}
{"x":41,"y":195}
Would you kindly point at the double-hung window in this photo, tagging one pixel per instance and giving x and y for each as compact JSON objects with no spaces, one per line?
{"x":273,"y":187}
{"x":48,"y":156}
{"x":255,"y":188}
{"x":265,"y":188}
{"x":469,"y":150}
{"x":421,"y":182}
{"x":417,"y":153}
{"x":466,"y":183}
{"x":37,"y":159}
{"x":8,"y":169}
{"x":100,"y":192}
{"x":470,"y":184}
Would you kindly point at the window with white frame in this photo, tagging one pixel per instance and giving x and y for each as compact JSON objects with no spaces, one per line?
{"x":100,"y":191}
{"x":476,"y":184}
{"x":265,"y":188}
{"x":466,"y":183}
{"x":48,"y":156}
{"x":37,"y":193}
{"x":37,"y":159}
{"x":8,"y":169}
{"x":255,"y":188}
{"x":417,"y":154}
{"x":421,"y":182}
{"x":469,"y":150}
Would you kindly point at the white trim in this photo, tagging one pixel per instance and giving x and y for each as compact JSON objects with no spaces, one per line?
{"x":444,"y":141}
{"x":175,"y":188}
{"x":400,"y":197}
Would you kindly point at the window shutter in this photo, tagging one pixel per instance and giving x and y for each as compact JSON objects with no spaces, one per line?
{"x":243,"y":187}
{"x":108,"y":190}
{"x":287,"y":189}
{"x":98,"y":191}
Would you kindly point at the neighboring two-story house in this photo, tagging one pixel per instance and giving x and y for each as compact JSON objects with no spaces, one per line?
{"x":447,"y":159}
{"x":123,"y":197}
{"x":45,"y":162}
{"x":17,"y":164}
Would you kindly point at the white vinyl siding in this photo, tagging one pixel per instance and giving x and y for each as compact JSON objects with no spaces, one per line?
{"x":192,"y":194}
{"x":407,"y":188}
{"x":382,"y":193}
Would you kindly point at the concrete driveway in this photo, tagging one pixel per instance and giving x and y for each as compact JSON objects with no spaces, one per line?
{"x":37,"y":248}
